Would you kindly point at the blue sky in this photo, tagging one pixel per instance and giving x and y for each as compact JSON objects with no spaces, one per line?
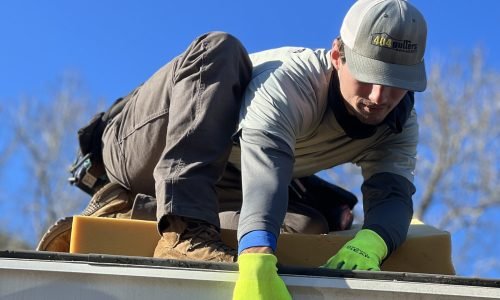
{"x":115,"y":45}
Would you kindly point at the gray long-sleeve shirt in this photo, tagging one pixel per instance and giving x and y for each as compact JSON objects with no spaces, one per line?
{"x":288,"y":129}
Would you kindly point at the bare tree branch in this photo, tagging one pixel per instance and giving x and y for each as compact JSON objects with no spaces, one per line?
{"x":46,"y":132}
{"x":458,"y":170}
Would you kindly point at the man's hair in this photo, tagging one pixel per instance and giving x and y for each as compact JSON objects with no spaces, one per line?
{"x":340,"y":44}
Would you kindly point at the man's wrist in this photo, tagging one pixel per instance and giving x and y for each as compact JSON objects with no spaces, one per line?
{"x":257,"y":239}
{"x":267,"y":250}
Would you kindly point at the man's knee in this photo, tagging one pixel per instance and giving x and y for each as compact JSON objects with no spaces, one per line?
{"x":225,"y":40}
{"x":229,"y":47}
{"x":227,"y":52}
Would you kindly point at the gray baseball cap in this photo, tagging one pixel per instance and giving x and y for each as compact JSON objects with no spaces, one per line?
{"x":384,"y":43}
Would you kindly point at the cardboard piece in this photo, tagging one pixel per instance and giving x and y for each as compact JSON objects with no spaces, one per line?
{"x":426,"y":250}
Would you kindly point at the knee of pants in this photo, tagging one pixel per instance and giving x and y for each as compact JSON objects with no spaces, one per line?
{"x":300,"y":223}
{"x":226,"y":40}
{"x":302,"y":218}
{"x":234,"y":53}
{"x":310,"y":223}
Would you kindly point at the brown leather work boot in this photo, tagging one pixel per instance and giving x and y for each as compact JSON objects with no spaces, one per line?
{"x":111,"y":201}
{"x":190,"y":239}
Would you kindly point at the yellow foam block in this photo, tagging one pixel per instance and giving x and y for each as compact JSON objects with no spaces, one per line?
{"x":426,"y":250}
{"x":113,"y":236}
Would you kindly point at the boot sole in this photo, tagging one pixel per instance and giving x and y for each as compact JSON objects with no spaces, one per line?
{"x":55,"y":232}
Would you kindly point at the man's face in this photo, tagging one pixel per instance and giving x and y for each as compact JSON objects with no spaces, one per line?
{"x":369,"y":103}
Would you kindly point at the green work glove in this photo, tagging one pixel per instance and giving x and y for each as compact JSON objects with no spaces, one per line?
{"x":364,"y":252}
{"x":258,"y":278}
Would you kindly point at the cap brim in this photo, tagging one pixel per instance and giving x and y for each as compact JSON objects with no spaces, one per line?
{"x":408,"y":77}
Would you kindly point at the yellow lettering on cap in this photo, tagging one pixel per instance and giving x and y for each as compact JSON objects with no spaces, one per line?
{"x":386,"y":41}
{"x":382,"y":40}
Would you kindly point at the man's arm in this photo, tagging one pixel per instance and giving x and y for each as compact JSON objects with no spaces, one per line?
{"x":280,"y":104}
{"x":388,"y":168}
{"x":266,"y":168}
{"x":388,"y":207}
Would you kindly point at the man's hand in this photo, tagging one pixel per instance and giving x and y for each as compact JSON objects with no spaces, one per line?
{"x":364,"y":252}
{"x":258,"y":278}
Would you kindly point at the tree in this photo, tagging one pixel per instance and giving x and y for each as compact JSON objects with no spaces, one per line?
{"x":459,"y":158}
{"x":7,"y":242}
{"x":8,"y":145}
{"x":46,"y":135}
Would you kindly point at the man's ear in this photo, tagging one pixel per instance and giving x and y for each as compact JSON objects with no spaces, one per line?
{"x":335,"y":55}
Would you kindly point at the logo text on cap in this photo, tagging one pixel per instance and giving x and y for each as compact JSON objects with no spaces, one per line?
{"x":386,"y":41}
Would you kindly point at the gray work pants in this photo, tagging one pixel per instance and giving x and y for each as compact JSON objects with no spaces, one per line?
{"x":173,"y":137}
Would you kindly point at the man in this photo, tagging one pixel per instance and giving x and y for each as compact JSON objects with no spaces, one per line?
{"x":297,"y":120}
{"x":301,"y":111}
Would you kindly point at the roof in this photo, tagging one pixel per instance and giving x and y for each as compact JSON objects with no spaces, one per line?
{"x":30,"y":274}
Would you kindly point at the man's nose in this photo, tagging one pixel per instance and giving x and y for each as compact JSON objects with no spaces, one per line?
{"x":378,"y":94}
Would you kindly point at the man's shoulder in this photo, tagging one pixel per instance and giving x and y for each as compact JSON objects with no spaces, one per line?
{"x":292,"y":58}
{"x":288,"y":92}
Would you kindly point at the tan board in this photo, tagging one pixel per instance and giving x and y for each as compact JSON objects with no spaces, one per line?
{"x":426,"y":250}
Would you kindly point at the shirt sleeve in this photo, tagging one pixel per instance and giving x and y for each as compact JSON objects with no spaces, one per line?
{"x":266,"y":169}
{"x":388,"y":207}
{"x":388,"y":171}
{"x":281,"y":103}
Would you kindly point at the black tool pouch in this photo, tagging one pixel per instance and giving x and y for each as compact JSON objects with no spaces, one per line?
{"x":88,"y":172}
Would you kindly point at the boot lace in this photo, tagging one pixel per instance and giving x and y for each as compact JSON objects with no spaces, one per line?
{"x":205,"y":235}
